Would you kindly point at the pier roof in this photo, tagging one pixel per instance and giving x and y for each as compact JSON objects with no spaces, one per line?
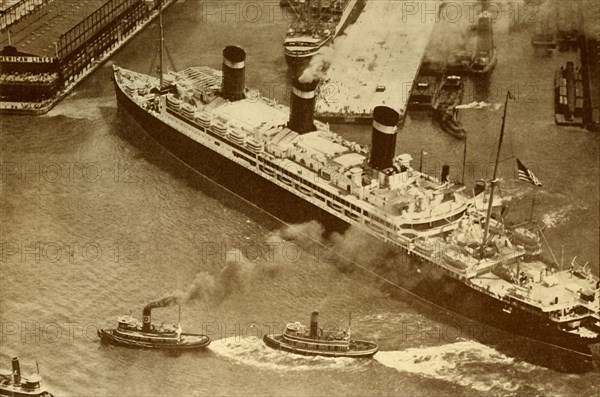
{"x":37,"y":32}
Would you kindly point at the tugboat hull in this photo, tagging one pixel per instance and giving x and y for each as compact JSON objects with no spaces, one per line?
{"x":358,"y":348}
{"x":188,"y":341}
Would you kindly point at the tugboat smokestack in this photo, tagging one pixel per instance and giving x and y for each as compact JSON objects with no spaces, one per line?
{"x":146,"y":319}
{"x":383,"y":139}
{"x":16,"y":369}
{"x":314,"y":325}
{"x":233,"y":84}
{"x":302,"y":106}
{"x":445,"y":173}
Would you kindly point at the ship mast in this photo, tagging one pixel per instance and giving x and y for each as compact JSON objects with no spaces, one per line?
{"x":349,"y":322}
{"x":160,"y":44}
{"x":494,"y":178}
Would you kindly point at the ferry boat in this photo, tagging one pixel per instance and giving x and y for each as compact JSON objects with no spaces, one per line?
{"x":389,"y":199}
{"x":484,"y":57}
{"x":131,"y":333}
{"x":314,"y":341}
{"x":13,"y":384}
{"x":316,"y":25}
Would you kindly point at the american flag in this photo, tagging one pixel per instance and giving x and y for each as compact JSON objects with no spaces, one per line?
{"x":526,"y":175}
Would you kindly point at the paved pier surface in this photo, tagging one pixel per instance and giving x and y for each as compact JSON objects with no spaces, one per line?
{"x":376,"y":61}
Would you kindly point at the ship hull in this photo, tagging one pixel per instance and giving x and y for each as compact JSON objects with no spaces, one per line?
{"x":277,"y":342}
{"x":108,"y":337}
{"x":509,"y":328}
{"x":420,"y":277}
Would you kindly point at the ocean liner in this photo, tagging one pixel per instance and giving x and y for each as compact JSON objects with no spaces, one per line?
{"x":316,"y":25}
{"x":463,"y":257}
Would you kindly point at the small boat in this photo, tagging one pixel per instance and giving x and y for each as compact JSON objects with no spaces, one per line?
{"x":313,"y":341}
{"x":450,"y":93}
{"x":449,"y":122}
{"x":485,"y":57}
{"x":12,"y":384}
{"x":131,"y":333}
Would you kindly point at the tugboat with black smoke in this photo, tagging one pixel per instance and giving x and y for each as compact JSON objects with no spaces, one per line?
{"x":485,"y":57}
{"x":445,"y":113}
{"x":12,"y":384}
{"x":131,"y":333}
{"x":314,"y":341}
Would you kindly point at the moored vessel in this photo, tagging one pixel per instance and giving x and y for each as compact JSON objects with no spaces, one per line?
{"x":316,"y":25}
{"x":14,"y":385}
{"x":314,"y":341}
{"x":131,"y":333}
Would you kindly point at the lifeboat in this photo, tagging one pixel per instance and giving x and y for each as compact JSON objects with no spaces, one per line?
{"x":173,"y":103}
{"x":285,"y":180}
{"x":456,"y":259}
{"x":219,"y":127}
{"x":203,"y":119}
{"x":303,"y":189}
{"x":254,"y":145}
{"x":188,"y":111}
{"x":237,"y":135}
{"x":266,"y":170}
{"x":525,"y":237}
{"x":425,"y":247}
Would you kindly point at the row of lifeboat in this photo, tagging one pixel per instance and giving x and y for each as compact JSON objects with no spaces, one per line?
{"x":204,"y":119}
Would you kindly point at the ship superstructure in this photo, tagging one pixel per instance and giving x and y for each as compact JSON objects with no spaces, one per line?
{"x":205,"y":116}
{"x":317,"y":23}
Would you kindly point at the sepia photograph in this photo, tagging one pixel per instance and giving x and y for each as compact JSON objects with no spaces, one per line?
{"x":299,"y":198}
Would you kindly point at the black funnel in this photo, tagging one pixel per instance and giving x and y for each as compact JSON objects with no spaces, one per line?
{"x":445,"y":173}
{"x":383,"y":139}
{"x":314,"y":325}
{"x":233,"y":84}
{"x":302,"y":106}
{"x":146,"y":320}
{"x":16,"y":369}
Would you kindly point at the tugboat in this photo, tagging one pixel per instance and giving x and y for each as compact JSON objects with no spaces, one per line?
{"x":131,"y":333}
{"x":450,"y":93}
{"x":445,"y":113}
{"x":296,"y":338}
{"x":449,"y":122}
{"x":484,"y":58}
{"x":12,"y":384}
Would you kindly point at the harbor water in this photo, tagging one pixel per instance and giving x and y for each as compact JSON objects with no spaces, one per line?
{"x":97,"y":220}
